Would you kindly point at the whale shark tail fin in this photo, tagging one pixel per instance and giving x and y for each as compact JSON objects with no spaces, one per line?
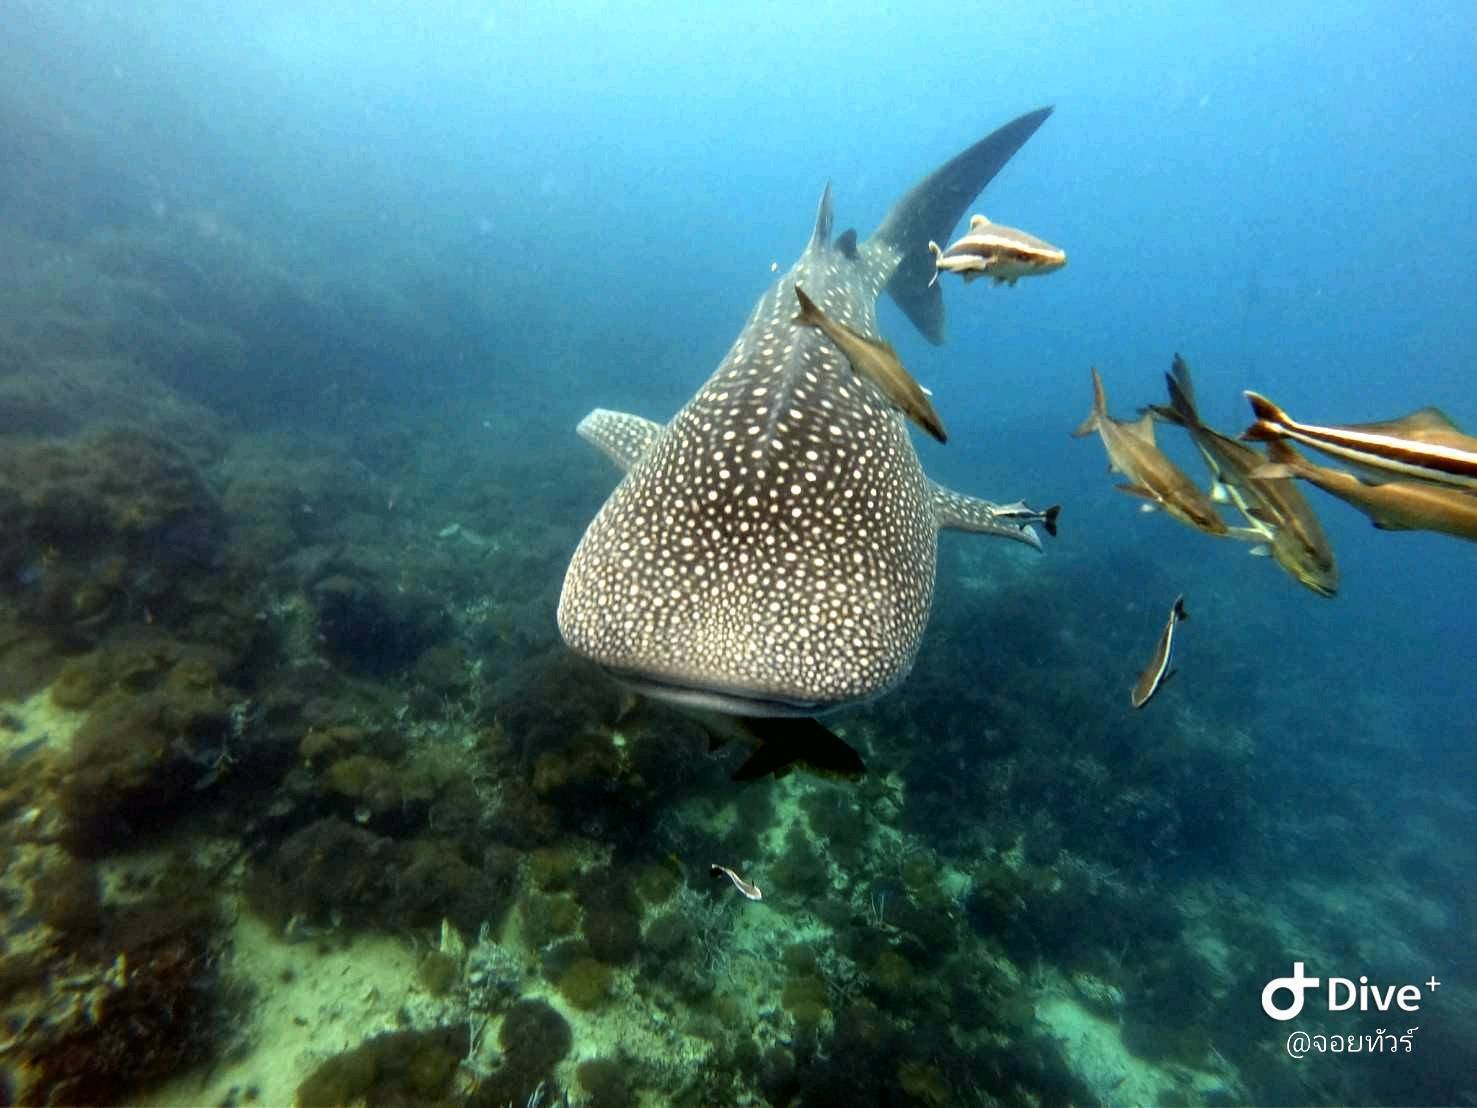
{"x":932,"y":208}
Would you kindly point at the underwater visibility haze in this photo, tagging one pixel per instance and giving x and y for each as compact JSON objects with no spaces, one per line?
{"x":368,"y":737}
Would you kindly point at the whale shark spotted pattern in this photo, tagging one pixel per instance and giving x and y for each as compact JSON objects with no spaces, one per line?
{"x":771,"y":550}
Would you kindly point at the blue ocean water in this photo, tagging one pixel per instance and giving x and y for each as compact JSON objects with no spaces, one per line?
{"x":373,"y":262}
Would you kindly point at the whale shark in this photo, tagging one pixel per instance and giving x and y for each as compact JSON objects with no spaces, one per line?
{"x":770,"y":552}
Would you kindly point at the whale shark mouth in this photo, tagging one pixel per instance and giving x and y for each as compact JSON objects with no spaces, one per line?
{"x":707,"y":698}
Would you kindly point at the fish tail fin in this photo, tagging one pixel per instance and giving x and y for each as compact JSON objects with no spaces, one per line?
{"x":1270,"y":419}
{"x":938,"y":253}
{"x":785,"y":743}
{"x":931,"y":209}
{"x":1099,"y":407}
{"x":1164,"y":414}
{"x":1180,"y":615}
{"x":1048,"y":519}
{"x":1182,"y":393}
{"x":1282,"y":461}
{"x":809,"y":315}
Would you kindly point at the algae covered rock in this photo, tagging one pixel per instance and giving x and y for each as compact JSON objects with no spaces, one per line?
{"x":372,"y":627}
{"x":394,"y":1067}
{"x":333,"y":872}
{"x":607,"y":1083}
{"x":136,"y":762}
{"x":113,"y":527}
{"x":807,"y":999}
{"x":613,"y":933}
{"x":547,"y":919}
{"x":534,"y":1038}
{"x":552,"y":868}
{"x":586,"y":983}
{"x":101,"y":1023}
{"x":655,"y":883}
{"x":366,"y":780}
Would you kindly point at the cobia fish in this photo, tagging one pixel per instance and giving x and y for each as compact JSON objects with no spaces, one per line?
{"x":1151,"y":475}
{"x":1278,"y":516}
{"x":1390,"y":505}
{"x":1423,"y":446}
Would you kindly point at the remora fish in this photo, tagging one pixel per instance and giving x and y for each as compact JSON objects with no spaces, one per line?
{"x":1274,"y":509}
{"x":1423,"y":446}
{"x":993,"y":250}
{"x":771,"y":551}
{"x":1131,"y":452}
{"x":1392,"y":505}
{"x":1021,"y":512}
{"x":1157,"y":672}
{"x":876,"y":361}
{"x":747,"y":888}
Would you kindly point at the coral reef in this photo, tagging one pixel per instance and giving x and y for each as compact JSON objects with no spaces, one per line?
{"x":103,"y":999}
{"x":332,"y":873}
{"x":156,"y":739}
{"x":534,"y":1038}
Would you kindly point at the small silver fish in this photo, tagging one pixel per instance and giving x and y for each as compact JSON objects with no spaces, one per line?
{"x":1022,"y":513}
{"x":749,"y":890}
{"x":1157,"y":671}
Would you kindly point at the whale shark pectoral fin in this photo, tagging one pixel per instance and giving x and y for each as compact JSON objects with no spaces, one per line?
{"x":931,"y":209}
{"x":954,"y":511}
{"x":620,"y":436}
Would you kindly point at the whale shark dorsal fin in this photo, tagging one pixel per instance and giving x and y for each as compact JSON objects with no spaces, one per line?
{"x":620,"y":436}
{"x":931,"y":209}
{"x":824,"y":214}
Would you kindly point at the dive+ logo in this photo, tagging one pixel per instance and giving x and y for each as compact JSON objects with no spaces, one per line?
{"x":1343,"y":994}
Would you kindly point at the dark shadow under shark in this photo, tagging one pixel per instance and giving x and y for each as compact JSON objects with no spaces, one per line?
{"x":770,"y":553}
